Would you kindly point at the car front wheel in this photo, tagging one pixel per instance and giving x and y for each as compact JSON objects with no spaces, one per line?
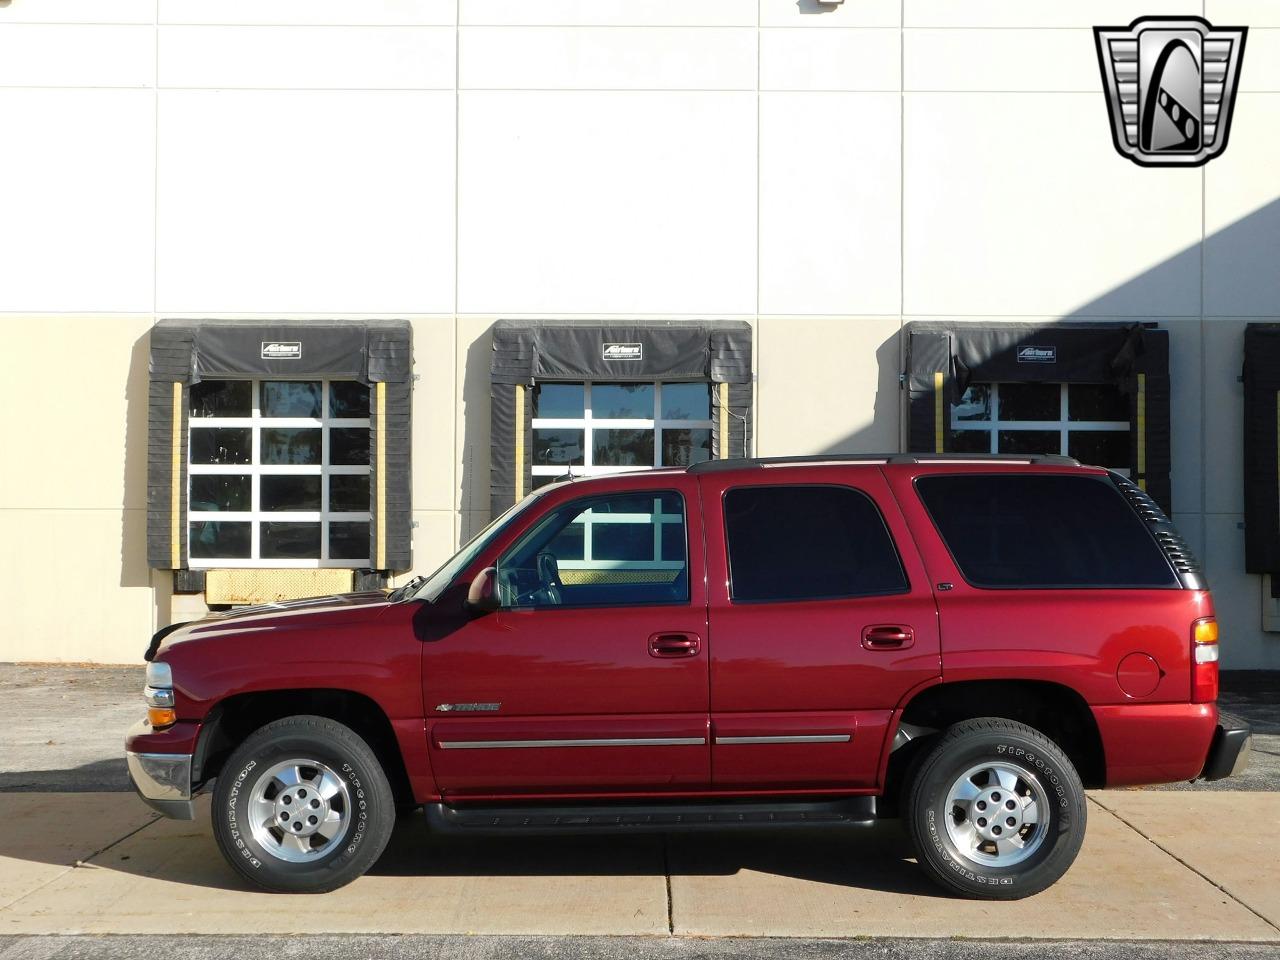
{"x":302,"y":806}
{"x":995,"y":810}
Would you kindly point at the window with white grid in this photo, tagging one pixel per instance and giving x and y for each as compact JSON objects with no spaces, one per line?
{"x":278,"y":474}
{"x":1088,"y":421}
{"x":592,"y":428}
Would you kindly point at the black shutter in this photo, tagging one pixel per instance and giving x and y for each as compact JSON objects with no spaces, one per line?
{"x":1262,"y":448}
{"x":1150,"y":426}
{"x":526,"y":352}
{"x":929,"y":385}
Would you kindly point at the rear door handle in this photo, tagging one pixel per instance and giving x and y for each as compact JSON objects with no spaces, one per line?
{"x":670,"y":646}
{"x":887,"y":636}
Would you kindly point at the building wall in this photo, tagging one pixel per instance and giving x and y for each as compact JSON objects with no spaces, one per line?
{"x":827,"y":172}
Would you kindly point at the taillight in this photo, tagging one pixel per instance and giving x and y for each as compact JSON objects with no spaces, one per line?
{"x":1204,"y":660}
{"x":159,"y":695}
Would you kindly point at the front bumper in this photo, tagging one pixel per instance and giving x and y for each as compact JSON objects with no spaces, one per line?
{"x":163,"y":781}
{"x":1229,"y":752}
{"x":162,"y":766}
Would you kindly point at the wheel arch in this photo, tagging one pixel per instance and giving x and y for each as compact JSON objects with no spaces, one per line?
{"x":1054,"y":709}
{"x":230,"y":721}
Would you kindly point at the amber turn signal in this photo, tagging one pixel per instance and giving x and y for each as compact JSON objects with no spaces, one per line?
{"x":161,"y":716}
{"x":1206,"y":631}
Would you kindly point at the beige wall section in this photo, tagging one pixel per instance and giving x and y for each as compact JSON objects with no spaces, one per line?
{"x":827,"y":385}
{"x":73,"y":518}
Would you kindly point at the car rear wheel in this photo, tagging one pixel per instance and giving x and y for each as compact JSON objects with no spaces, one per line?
{"x":302,"y":806}
{"x":995,"y":810}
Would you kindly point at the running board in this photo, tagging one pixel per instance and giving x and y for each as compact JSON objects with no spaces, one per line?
{"x":651,"y":818}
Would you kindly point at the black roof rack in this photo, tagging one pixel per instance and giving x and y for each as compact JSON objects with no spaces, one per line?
{"x":746,"y":463}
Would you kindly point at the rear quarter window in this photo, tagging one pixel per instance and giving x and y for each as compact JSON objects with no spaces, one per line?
{"x":792,"y":543}
{"x":1043,"y":531}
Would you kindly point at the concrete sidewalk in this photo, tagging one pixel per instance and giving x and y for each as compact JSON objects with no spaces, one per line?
{"x":1155,"y":866}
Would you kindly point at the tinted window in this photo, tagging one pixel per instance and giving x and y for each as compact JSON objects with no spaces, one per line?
{"x":614,"y":550}
{"x":808,"y":543}
{"x":1043,"y":531}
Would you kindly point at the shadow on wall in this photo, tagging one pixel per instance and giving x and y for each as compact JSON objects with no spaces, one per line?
{"x":1242,"y":256}
{"x":474,"y":479}
{"x":134,"y":570}
{"x":884,"y":432}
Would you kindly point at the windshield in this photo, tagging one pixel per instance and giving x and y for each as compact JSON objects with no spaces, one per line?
{"x":435,"y":584}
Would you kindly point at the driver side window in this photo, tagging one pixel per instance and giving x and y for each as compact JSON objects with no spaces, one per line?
{"x":612,"y":550}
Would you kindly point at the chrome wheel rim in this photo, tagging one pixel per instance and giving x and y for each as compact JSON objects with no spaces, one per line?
{"x":996,"y":814}
{"x":299,"y":810}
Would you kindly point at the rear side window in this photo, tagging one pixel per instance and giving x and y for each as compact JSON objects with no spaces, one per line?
{"x":808,"y":543}
{"x":1043,"y":531}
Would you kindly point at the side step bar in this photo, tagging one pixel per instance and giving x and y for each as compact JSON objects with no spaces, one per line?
{"x":651,"y":818}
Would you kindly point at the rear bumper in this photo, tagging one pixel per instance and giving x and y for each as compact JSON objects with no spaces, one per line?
{"x":1155,"y":742}
{"x":1229,"y":752}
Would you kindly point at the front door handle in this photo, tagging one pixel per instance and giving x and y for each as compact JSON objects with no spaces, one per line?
{"x":887,"y":636}
{"x":671,"y":646}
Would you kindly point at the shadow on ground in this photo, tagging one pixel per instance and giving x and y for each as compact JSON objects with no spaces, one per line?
{"x":100,"y":776}
{"x":131,"y":842}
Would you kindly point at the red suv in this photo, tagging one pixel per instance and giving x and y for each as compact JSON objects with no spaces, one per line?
{"x":965,"y":643}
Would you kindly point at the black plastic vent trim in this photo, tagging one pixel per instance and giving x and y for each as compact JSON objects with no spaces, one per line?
{"x":1175,"y":548}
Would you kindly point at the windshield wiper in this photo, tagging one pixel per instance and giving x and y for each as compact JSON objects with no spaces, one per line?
{"x":403,"y":592}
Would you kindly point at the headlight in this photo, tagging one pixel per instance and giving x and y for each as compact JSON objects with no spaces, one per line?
{"x":159,"y":695}
{"x":159,"y":675}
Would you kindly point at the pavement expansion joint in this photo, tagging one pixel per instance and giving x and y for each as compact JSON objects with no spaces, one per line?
{"x":1199,"y":873}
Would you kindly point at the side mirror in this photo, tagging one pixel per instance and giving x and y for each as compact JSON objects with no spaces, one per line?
{"x":482,"y":595}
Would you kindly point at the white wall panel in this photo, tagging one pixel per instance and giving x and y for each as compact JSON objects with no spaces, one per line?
{"x":1037,"y":13}
{"x":354,"y":58}
{"x":1242,"y":214}
{"x":830,"y":203}
{"x":306,"y":202}
{"x":605,"y":58}
{"x":303,"y":12}
{"x":693,"y":13}
{"x":997,"y":60}
{"x":1261,"y":67}
{"x":1251,"y":13}
{"x":1018,"y":203}
{"x":73,"y":55}
{"x":830,"y":59}
{"x":815,"y":13}
{"x":607,"y":203}
{"x":79,"y":11}
{"x":76,"y":200}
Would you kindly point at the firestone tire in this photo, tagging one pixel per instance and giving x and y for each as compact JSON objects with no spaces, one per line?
{"x":1019,"y":786}
{"x":302,"y":806}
